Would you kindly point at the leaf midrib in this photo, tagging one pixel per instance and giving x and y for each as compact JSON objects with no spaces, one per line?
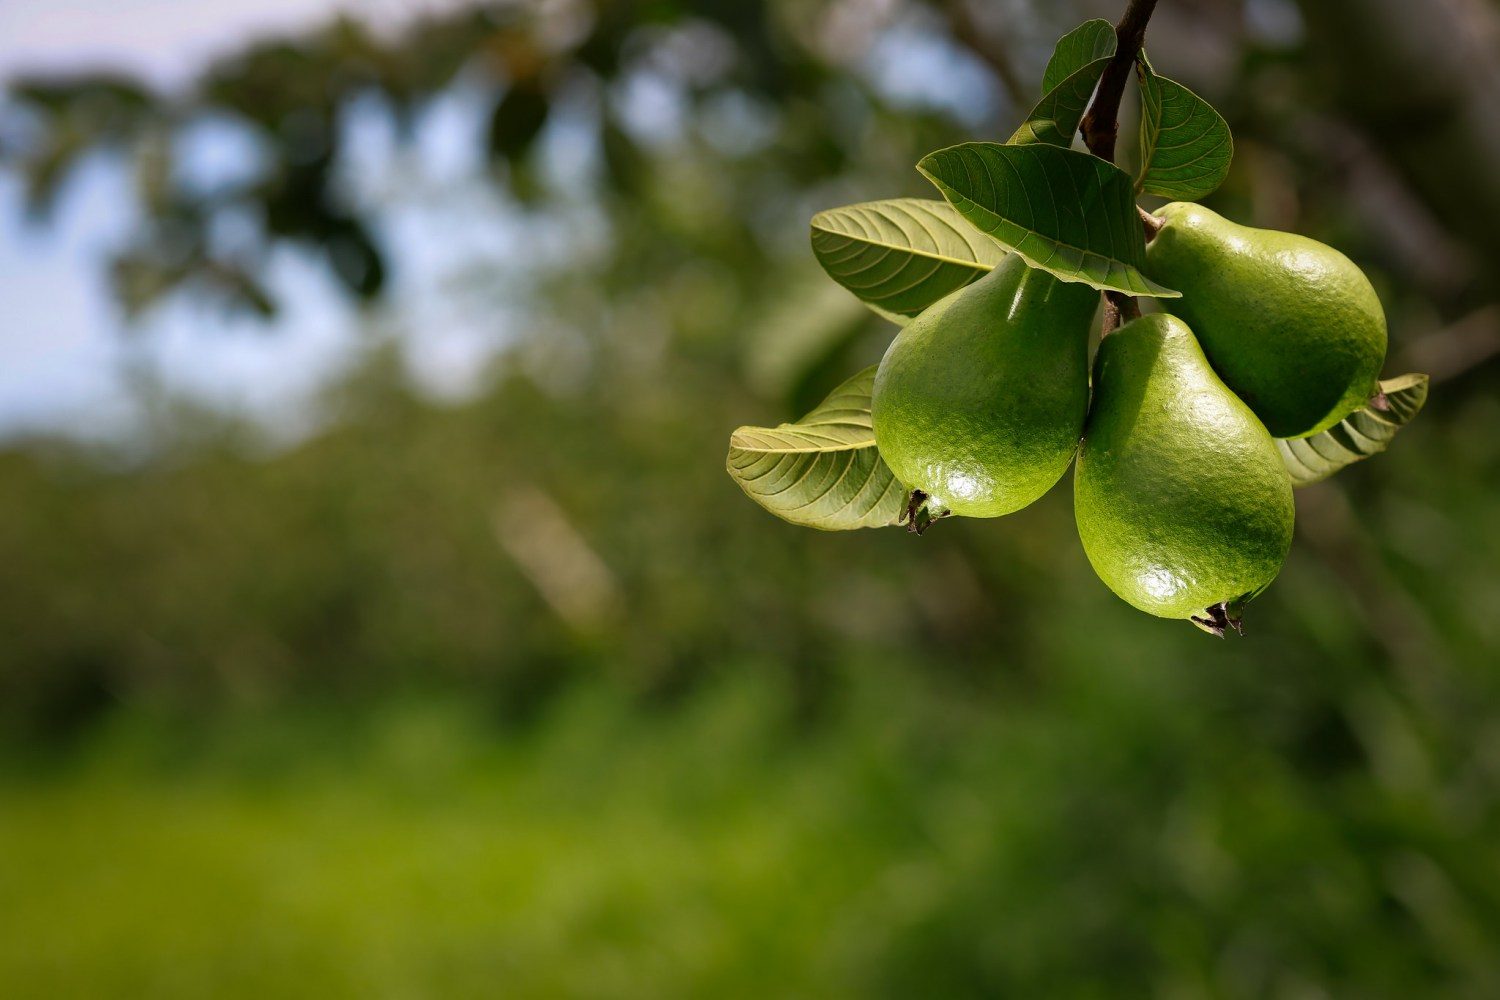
{"x":737,"y":441}
{"x":971,"y":264}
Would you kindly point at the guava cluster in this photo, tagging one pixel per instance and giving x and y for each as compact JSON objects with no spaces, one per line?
{"x":1182,"y":500}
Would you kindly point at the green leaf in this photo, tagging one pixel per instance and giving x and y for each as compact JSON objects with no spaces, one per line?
{"x":822,"y":471}
{"x":1090,"y":41}
{"x":1186,"y":145}
{"x":1056,"y":116}
{"x":1363,"y":433}
{"x":1064,"y":211}
{"x":901,"y":256}
{"x":1074,"y":70}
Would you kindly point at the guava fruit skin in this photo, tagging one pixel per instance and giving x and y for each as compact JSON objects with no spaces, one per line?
{"x":1290,"y":324}
{"x":980,"y":400}
{"x":1181,"y":498}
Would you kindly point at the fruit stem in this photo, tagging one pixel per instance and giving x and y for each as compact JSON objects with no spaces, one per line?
{"x":1150,"y":223}
{"x":1101,"y":126}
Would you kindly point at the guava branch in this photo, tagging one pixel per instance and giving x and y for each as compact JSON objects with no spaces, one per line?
{"x":1102,"y":123}
{"x":1101,"y":126}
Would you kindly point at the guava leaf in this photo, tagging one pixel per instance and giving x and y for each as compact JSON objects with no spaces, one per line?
{"x":1090,"y":41}
{"x":1363,"y":433}
{"x":1064,"y":211}
{"x":902,"y":255}
{"x":1186,"y":145}
{"x":822,"y":471}
{"x":1056,"y":116}
{"x":1076,"y":65}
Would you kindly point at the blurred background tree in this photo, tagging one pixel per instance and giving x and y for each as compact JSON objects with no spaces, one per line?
{"x":519,"y":694}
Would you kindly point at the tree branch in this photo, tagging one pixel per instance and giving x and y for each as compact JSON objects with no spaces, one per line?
{"x":1101,"y":126}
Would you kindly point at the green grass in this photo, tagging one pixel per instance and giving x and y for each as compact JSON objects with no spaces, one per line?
{"x":421,"y":857}
{"x":1110,"y":832}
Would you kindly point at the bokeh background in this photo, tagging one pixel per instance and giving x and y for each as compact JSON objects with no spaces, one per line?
{"x":376,"y":617}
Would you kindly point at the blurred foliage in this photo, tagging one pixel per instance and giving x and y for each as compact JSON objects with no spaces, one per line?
{"x":531,"y":62}
{"x":1131,"y":826}
{"x":813,"y":764}
{"x":522,"y":693}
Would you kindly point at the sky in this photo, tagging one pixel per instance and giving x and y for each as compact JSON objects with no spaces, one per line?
{"x":165,"y":40}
